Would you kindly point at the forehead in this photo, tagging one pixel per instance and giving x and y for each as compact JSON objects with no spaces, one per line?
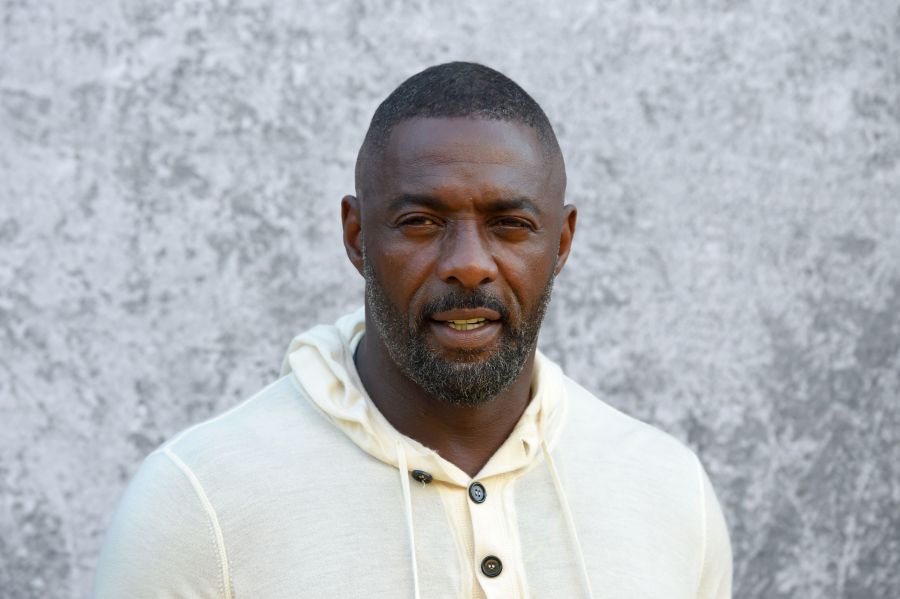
{"x":480,"y":155}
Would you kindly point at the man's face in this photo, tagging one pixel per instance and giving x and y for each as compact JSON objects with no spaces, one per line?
{"x":463,"y":234}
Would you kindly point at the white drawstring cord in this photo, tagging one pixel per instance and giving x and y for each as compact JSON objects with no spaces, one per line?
{"x":407,"y":508}
{"x":570,"y":522}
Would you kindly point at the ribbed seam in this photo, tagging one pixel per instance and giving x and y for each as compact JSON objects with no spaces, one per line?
{"x":702,"y":525}
{"x":213,"y":520}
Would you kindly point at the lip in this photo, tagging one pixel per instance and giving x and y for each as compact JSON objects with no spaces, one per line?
{"x":471,"y":340}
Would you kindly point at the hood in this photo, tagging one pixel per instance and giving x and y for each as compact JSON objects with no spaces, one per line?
{"x":321,"y":362}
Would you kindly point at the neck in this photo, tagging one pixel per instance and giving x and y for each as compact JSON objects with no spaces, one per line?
{"x":466,"y":436}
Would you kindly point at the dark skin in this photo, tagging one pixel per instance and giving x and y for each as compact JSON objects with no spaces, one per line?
{"x":457,"y":203}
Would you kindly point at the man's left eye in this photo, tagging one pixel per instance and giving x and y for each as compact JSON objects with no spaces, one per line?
{"x":513,"y":223}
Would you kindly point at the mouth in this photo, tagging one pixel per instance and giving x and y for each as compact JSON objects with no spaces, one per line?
{"x":467,"y":328}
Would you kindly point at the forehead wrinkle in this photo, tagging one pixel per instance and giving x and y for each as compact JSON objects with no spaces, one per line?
{"x":462,"y":183}
{"x":454,"y":156}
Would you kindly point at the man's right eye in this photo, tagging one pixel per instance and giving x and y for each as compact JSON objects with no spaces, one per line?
{"x":418,"y":221}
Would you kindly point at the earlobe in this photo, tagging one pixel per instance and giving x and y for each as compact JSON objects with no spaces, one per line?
{"x":351,"y":220}
{"x":570,"y":216}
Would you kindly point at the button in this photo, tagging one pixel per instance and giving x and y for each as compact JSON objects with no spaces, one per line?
{"x":491,"y":566}
{"x":422,"y":476}
{"x":477,"y":492}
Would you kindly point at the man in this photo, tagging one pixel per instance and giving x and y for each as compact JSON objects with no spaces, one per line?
{"x":423,"y":447}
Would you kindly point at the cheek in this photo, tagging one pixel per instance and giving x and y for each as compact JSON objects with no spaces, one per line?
{"x":526,"y":272}
{"x":404,"y":273}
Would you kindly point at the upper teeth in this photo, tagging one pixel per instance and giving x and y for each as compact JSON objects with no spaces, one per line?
{"x":466,"y":324}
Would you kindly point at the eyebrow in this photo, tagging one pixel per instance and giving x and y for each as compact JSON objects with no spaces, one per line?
{"x":496,"y":205}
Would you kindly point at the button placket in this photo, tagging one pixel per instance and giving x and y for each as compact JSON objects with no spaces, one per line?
{"x":491,"y":539}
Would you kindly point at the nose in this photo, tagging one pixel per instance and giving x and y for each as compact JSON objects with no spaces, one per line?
{"x":466,"y":259}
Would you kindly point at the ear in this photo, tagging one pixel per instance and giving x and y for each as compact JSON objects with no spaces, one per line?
{"x":570,"y":215}
{"x":351,"y":219}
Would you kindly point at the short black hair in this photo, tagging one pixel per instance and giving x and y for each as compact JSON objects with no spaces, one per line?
{"x":451,"y":90}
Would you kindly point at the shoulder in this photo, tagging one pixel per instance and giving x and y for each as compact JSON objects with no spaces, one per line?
{"x":235,"y":456}
{"x":163,"y":524}
{"x":596,"y":426}
{"x":274,"y":421}
{"x":277,"y":420}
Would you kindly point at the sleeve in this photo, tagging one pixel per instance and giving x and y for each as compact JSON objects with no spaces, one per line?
{"x":715,"y":573}
{"x":163,"y":539}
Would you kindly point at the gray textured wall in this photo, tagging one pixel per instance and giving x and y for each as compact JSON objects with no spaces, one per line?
{"x":169,"y":183}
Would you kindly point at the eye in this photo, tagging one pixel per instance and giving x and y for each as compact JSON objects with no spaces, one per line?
{"x":513,"y":223}
{"x":418,"y":220}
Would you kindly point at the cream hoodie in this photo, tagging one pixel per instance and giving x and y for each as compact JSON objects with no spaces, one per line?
{"x":304,"y":491}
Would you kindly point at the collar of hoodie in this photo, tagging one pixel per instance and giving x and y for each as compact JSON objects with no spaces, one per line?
{"x":321,"y":361}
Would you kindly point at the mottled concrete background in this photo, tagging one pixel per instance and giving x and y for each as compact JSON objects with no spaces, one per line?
{"x":170,"y":173}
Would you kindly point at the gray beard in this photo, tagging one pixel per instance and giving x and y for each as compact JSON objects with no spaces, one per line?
{"x":473,"y":379}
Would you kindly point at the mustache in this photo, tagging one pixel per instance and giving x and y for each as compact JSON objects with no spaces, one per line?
{"x":458,"y":300}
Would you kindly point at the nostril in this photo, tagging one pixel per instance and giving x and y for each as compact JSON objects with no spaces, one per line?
{"x":469,"y":280}
{"x":468,"y":268}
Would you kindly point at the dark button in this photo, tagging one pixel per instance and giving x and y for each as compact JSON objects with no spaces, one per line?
{"x":422,"y":476}
{"x":477,"y":492}
{"x":491,"y":566}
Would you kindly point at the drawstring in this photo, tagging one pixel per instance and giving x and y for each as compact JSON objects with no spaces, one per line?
{"x":564,"y":503}
{"x":407,"y":508}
